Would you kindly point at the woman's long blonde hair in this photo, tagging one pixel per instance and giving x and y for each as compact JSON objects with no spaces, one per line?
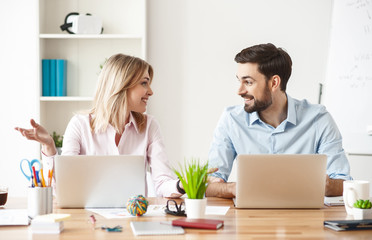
{"x":119,"y":73}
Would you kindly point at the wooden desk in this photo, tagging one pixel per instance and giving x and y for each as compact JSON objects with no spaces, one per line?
{"x":239,"y":224}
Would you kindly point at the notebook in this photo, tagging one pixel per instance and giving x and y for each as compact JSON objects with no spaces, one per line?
{"x":280,"y":181}
{"x":155,"y":228}
{"x":213,"y":224}
{"x":347,"y":225}
{"x":98,"y":181}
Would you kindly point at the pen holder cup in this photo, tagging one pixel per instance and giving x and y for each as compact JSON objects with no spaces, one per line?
{"x":40,"y":201}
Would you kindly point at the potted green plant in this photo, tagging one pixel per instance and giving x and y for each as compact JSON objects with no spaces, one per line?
{"x":58,"y":140}
{"x":362,"y":209}
{"x":194,"y":177}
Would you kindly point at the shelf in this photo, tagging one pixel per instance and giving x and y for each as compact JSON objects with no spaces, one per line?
{"x":66,"y":99}
{"x":89,"y":36}
{"x":124,"y":23}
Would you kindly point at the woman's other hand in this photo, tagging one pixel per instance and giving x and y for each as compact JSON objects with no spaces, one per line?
{"x":40,"y":134}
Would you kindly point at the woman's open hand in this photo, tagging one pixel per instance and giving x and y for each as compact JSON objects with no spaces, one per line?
{"x":40,"y":134}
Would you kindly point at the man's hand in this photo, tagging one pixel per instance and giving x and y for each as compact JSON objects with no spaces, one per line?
{"x":215,"y":180}
{"x":221,"y":189}
{"x":334,"y":187}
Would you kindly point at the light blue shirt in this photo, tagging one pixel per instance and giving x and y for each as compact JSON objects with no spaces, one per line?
{"x":308,"y":129}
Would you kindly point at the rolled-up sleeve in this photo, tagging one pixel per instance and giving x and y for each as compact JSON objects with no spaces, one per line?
{"x":331,"y":145}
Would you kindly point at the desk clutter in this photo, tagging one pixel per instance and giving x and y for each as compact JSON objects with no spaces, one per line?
{"x":237,"y":223}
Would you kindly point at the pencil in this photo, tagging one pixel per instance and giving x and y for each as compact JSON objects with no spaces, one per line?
{"x":50,"y":177}
{"x":42,"y":178}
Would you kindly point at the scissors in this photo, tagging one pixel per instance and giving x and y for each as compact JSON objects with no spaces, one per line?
{"x":29,"y":167}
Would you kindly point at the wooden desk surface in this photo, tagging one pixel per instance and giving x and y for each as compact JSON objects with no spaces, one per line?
{"x":239,"y":224}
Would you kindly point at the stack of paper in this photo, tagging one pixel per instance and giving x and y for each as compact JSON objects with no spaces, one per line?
{"x":48,"y":223}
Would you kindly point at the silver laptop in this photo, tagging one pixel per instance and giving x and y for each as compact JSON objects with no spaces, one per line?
{"x":280,"y":181}
{"x":98,"y":181}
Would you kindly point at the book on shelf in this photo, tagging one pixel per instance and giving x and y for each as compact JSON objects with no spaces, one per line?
{"x":349,"y":225}
{"x":198,"y":223}
{"x":53,"y":81}
{"x":61,"y":77}
{"x":45,"y":64}
{"x":54,"y":77}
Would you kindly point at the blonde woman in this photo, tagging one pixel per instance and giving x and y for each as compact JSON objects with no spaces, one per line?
{"x":117,"y":124}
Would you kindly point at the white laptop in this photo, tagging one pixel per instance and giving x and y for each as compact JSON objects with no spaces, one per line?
{"x":84,"y":181}
{"x":280,"y":181}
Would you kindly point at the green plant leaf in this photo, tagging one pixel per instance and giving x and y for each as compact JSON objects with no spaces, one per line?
{"x":193,"y":176}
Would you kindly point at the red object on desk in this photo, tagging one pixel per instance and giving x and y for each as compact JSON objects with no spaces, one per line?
{"x":198,"y":223}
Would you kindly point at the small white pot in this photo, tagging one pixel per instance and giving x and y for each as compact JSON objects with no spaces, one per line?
{"x":360,"y":214}
{"x":195,"y":208}
{"x":59,"y":150}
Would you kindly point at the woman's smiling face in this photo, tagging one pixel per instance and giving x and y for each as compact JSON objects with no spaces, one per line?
{"x":139,"y":94}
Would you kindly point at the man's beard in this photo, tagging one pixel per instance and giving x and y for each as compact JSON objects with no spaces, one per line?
{"x":259,"y":105}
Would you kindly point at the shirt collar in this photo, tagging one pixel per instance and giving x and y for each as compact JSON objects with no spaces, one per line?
{"x":132,"y":121}
{"x":253,"y":118}
{"x":291,"y":113}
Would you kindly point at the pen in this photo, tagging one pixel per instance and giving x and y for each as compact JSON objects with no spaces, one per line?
{"x":35,"y":181}
{"x":42,"y":178}
{"x":32,"y":181}
{"x":37,"y":177}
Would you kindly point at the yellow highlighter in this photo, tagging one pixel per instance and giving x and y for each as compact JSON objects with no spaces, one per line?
{"x":42,"y":178}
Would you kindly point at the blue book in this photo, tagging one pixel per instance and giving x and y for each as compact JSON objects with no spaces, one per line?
{"x":53,"y":74}
{"x":61,"y":77}
{"x":45,"y":64}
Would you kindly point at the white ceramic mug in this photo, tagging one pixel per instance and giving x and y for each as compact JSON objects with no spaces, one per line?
{"x":353,"y":191}
{"x":40,"y":201}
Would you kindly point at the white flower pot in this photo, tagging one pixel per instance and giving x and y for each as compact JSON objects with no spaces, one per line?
{"x":195,"y":208}
{"x":360,"y":214}
{"x":59,"y":150}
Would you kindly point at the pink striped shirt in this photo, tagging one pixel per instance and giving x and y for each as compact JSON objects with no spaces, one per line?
{"x":78,"y":140}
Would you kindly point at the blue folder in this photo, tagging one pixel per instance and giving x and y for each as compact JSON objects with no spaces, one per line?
{"x":45,"y":63}
{"x":61,"y":78}
{"x":53,"y":74}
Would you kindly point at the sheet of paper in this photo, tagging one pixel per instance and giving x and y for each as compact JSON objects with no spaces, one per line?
{"x":12,"y":217}
{"x":152,"y":210}
{"x":216,"y":210}
{"x":110,"y":213}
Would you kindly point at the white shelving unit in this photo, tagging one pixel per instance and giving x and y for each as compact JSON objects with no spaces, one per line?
{"x":124,"y":23}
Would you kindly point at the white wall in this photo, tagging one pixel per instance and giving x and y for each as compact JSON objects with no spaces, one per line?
{"x":192,"y":45}
{"x":18,"y":92}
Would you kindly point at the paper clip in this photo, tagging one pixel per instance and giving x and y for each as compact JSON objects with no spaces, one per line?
{"x":117,"y":228}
